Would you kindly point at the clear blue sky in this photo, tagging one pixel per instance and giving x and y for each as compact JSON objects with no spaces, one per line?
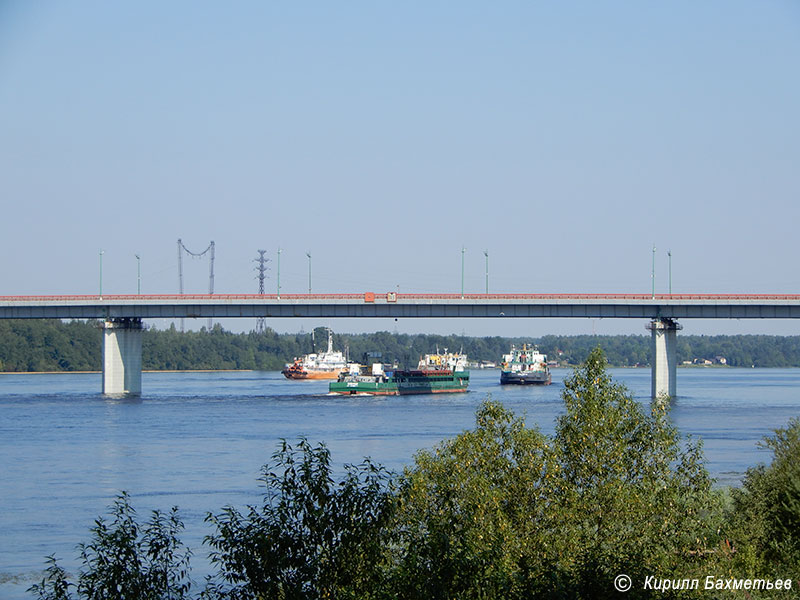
{"x":565,"y":137}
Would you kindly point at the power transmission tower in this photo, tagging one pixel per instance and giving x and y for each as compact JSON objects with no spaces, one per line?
{"x":261,"y":268}
{"x":210,"y":251}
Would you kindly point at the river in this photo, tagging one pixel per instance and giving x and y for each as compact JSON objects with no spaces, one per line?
{"x":198,"y":440}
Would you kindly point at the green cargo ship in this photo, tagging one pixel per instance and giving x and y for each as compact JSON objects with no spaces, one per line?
{"x":435,"y":374}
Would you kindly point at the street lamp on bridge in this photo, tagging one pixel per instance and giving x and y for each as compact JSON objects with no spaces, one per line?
{"x":138,"y":274}
{"x":669,"y":254}
{"x":486,"y":254}
{"x":462,"y":271}
{"x":101,"y":274}
{"x":308,"y":254}
{"x":653,"y":272}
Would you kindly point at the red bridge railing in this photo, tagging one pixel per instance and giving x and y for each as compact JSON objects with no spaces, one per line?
{"x":398,"y":296}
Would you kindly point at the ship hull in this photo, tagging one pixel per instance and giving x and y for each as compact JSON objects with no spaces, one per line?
{"x":296,"y":375}
{"x":527,"y":378}
{"x":403,"y":383}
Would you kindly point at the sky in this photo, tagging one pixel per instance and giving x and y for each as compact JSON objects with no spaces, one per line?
{"x":566,"y":139}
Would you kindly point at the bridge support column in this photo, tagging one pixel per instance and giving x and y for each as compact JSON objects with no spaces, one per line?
{"x":665,"y":361}
{"x":122,"y":356}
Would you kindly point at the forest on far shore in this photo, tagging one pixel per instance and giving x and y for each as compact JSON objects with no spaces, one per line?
{"x":53,"y":345}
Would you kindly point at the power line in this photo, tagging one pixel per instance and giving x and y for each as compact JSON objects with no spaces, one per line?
{"x":210,"y":250}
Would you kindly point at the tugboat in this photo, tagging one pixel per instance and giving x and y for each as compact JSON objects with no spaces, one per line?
{"x":435,"y":374}
{"x":525,"y":366}
{"x":325,"y":365}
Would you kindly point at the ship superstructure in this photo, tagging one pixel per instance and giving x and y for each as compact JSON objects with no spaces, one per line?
{"x":323,"y":365}
{"x":525,"y":365}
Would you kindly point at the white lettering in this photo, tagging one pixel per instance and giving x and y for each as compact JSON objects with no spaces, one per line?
{"x":663,"y":585}
{"x":717,"y":583}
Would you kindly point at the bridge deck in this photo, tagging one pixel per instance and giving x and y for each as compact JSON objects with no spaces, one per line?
{"x":406,"y":305}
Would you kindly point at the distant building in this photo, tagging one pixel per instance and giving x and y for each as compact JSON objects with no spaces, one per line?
{"x":718,"y":360}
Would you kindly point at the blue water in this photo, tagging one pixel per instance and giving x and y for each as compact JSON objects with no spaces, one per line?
{"x":198,"y":440}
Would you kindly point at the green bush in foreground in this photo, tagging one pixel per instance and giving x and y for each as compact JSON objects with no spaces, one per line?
{"x":503,"y":511}
{"x":311,"y":538}
{"x":765,"y":522}
{"x":126,"y":562}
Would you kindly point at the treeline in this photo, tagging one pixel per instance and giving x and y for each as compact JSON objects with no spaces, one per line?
{"x":52,"y":345}
{"x":613,"y":500}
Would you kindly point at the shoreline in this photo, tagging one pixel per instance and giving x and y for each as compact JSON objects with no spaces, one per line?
{"x":143,"y":371}
{"x":255,"y":370}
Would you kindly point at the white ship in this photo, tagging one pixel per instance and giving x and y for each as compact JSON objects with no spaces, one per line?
{"x":323,"y":365}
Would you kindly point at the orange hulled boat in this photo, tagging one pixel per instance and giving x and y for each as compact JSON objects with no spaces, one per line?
{"x":322,"y":365}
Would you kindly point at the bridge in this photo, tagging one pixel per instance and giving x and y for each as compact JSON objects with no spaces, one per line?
{"x":123,"y":314}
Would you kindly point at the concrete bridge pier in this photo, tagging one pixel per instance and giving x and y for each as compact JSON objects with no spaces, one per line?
{"x":122,"y":356}
{"x":665,"y":361}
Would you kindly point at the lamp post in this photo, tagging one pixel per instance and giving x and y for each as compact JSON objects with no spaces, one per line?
{"x":653,"y":272}
{"x":462,"y":271}
{"x":279,"y":273}
{"x":101,"y":274}
{"x":669,"y":254}
{"x":138,"y":274}
{"x":308,"y":254}
{"x":486,"y":254}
